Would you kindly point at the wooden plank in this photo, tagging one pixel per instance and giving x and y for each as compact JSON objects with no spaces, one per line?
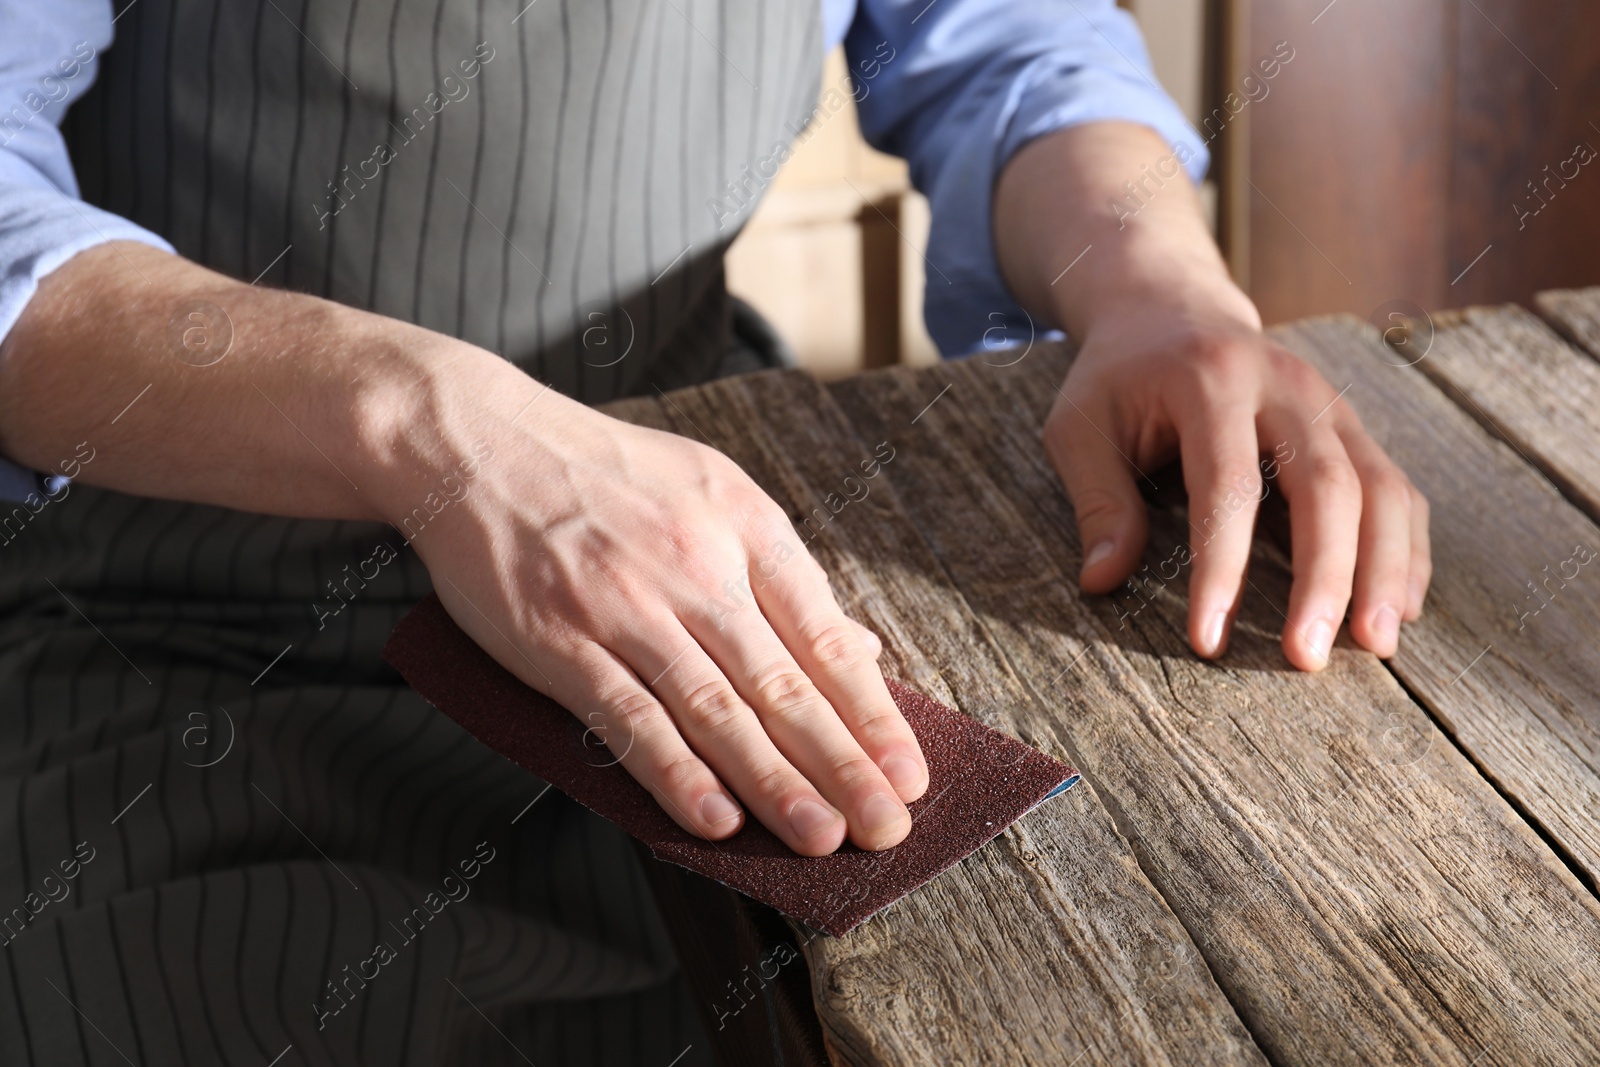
{"x":1576,"y":313}
{"x":1519,"y":378}
{"x":1516,"y":690}
{"x":1047,"y":946}
{"x":1360,"y":900}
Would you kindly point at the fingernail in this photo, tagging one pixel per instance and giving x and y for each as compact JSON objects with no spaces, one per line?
{"x":1211,"y":639}
{"x":1319,"y":635}
{"x":902,"y":771}
{"x":1386,"y":626}
{"x":716,"y":808}
{"x":1099,"y":554}
{"x":810,"y":818}
{"x":880,"y":811}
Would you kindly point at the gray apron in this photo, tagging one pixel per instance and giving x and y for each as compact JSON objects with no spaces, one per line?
{"x":229,"y":833}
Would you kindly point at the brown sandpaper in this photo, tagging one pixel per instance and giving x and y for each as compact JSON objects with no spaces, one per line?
{"x":981,"y":781}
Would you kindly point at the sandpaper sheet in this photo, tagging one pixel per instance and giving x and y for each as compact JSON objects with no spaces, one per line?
{"x":981,"y":781}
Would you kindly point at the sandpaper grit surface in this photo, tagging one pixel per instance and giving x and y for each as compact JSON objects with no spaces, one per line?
{"x":981,"y":781}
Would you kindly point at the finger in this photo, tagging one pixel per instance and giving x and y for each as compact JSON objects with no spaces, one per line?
{"x":617,"y":711}
{"x":871,"y":640}
{"x":1324,"y":495}
{"x":803,"y":724}
{"x":1421,"y":556}
{"x":1217,"y":441}
{"x":1099,"y":479}
{"x":637,"y":730}
{"x":804,"y":615}
{"x":1383,"y":553}
{"x":724,"y":731}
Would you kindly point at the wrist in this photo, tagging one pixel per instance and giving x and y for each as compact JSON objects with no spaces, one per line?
{"x":422,"y":407}
{"x":1154,"y":273}
{"x":1074,"y":252}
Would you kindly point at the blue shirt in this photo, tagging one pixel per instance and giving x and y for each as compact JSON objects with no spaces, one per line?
{"x":953,"y":86}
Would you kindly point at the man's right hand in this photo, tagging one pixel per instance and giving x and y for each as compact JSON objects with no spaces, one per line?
{"x":637,"y":577}
{"x":645,"y":582}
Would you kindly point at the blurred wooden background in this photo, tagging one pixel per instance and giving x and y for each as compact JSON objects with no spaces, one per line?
{"x":1405,"y":142}
{"x":1437,"y":152}
{"x":822,"y":258}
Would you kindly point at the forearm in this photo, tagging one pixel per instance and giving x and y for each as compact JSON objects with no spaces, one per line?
{"x":1055,"y":198}
{"x":307,"y":410}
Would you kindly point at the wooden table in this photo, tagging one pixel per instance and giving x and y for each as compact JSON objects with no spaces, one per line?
{"x":1381,"y":863}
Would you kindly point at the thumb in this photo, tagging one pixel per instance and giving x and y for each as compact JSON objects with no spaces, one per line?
{"x":1099,"y":479}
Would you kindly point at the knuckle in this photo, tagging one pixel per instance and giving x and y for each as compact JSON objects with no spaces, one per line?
{"x":1387,"y":484}
{"x":855,"y":771}
{"x":1221,"y":363}
{"x":712,"y":706}
{"x":1227,"y":483}
{"x":632,"y":710}
{"x":683,"y":540}
{"x":879,"y":722}
{"x":787,"y":694}
{"x":1298,"y":375}
{"x":1336,"y":474}
{"x":726,"y":484}
{"x":679,"y":777}
{"x":1238,"y":478}
{"x":773,"y":782}
{"x":836,"y":647}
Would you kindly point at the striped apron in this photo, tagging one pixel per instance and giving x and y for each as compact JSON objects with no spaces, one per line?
{"x":228,"y":832}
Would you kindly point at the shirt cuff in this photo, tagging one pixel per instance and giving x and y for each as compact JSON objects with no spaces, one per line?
{"x":967,"y":305}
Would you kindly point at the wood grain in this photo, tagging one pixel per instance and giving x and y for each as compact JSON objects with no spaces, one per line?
{"x":1516,"y":691}
{"x":1515,"y":183}
{"x":1352,"y":882}
{"x":1532,"y":606}
{"x":1047,"y":946}
{"x":1576,"y":313}
{"x":1333,"y":865}
{"x":1520,"y":379}
{"x":1483,"y":195}
{"x":1370,"y":80}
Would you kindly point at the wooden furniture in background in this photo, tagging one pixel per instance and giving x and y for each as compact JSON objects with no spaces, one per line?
{"x":1380,"y":863}
{"x":1425,"y":151}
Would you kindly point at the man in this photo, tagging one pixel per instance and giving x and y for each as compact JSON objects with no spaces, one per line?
{"x":313,"y":340}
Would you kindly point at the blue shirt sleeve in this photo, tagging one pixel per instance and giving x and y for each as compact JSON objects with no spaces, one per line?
{"x":47,"y":60}
{"x":957,"y":86}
